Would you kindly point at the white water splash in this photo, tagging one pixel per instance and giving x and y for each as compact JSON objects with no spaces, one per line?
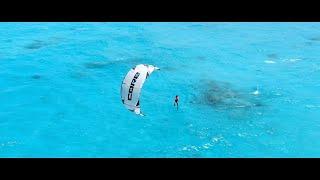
{"x":256,"y":92}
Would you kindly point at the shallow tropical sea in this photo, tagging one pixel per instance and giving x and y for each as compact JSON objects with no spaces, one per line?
{"x":246,"y":90}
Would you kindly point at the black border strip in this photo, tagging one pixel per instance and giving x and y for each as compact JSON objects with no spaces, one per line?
{"x":132,"y":11}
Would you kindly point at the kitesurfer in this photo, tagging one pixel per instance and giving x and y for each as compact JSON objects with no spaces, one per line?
{"x":176,"y":101}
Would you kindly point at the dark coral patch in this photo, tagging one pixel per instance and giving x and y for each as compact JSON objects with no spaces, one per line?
{"x":309,"y":43}
{"x":201,"y":58}
{"x":315,"y":38}
{"x":36,"y":76}
{"x":221,"y":95}
{"x":272,"y":56}
{"x":37,"y":44}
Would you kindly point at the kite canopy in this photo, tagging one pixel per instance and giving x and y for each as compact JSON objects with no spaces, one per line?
{"x":132,"y":84}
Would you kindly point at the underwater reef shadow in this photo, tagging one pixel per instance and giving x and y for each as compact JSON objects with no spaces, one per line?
{"x":316,"y":38}
{"x":37,"y":44}
{"x":272,"y":56}
{"x":97,"y":64}
{"x":36,"y":76}
{"x":224,"y":97}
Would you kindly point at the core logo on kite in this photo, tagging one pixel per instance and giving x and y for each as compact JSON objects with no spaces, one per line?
{"x":134,"y":80}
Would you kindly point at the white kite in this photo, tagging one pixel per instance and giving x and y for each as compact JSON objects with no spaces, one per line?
{"x":132,"y":84}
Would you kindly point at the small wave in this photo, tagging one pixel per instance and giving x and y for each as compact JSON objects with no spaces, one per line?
{"x":269,"y":62}
{"x":9,"y":144}
{"x":190,"y":148}
{"x":241,"y":134}
{"x":79,"y":29}
{"x":292,"y":60}
{"x":310,"y":106}
{"x":14,"y":88}
{"x":214,"y":141}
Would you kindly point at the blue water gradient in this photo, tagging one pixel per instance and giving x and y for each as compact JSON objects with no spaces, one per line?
{"x":60,"y":90}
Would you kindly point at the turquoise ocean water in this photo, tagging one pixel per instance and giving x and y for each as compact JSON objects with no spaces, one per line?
{"x":60,"y":90}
